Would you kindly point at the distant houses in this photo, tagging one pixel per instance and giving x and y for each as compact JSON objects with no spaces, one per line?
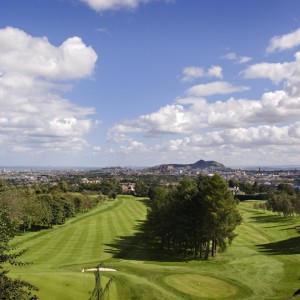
{"x":128,"y":188}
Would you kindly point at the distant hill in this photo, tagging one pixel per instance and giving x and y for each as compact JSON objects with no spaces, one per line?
{"x":199,"y":165}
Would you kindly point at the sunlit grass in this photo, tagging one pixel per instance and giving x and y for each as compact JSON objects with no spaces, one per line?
{"x":262,"y":263}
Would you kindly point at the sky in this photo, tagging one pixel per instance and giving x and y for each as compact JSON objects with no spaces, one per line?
{"x":100,"y":83}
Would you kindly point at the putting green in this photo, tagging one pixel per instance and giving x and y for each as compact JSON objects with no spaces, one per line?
{"x":201,"y":286}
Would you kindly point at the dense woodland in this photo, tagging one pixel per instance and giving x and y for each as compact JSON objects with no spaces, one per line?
{"x":194,"y":218}
{"x":42,"y":206}
{"x":33,"y":208}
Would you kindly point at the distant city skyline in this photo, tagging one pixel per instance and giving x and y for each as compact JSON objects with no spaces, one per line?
{"x":97,"y":83}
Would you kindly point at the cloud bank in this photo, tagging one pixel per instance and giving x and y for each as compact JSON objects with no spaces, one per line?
{"x":232,"y":130}
{"x":34,"y":73}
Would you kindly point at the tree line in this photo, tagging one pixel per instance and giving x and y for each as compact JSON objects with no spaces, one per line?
{"x":33,"y":208}
{"x":196,"y":217}
{"x":108,"y":187}
{"x":38,"y":207}
{"x":285,"y":200}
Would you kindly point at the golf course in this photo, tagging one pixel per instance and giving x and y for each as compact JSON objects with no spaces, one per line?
{"x":263,"y":261}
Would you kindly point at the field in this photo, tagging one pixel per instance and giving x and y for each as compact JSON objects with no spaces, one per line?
{"x":262,"y":263}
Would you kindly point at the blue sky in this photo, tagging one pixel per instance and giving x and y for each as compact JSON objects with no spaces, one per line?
{"x":139,"y":83}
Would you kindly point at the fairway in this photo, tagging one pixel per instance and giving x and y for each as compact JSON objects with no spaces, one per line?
{"x":262,"y":263}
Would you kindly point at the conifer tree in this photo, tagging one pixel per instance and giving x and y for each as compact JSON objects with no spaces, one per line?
{"x":11,"y":289}
{"x":195,"y":218}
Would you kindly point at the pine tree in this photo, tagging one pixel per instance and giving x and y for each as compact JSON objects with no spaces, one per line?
{"x":11,"y":289}
{"x":194,"y":218}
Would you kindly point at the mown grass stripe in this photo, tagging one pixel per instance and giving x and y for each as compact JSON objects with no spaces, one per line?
{"x":84,"y":243}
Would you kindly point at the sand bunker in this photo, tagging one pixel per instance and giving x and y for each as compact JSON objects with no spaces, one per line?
{"x":99,"y":269}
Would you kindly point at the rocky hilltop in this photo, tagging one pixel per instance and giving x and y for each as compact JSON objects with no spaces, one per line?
{"x":199,"y":165}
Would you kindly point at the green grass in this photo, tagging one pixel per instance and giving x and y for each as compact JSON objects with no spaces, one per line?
{"x":262,"y":263}
{"x":201,"y":286}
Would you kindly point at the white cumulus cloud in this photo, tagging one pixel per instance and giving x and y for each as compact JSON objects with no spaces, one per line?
{"x":200,"y":114}
{"x":36,"y":57}
{"x":103,"y":5}
{"x":235,"y":124}
{"x":192,"y":73}
{"x":273,"y":71}
{"x":236,"y":58}
{"x":263,"y":129}
{"x":168,"y":120}
{"x":215,"y":71}
{"x":33,"y":114}
{"x":214,"y":88}
{"x":284,"y":42}
{"x":287,"y":72}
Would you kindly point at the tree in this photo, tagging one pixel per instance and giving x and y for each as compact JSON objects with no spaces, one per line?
{"x":57,"y":209}
{"x":112,"y":195}
{"x":10,"y":199}
{"x":45,"y":214}
{"x":11,"y":289}
{"x":157,"y":196}
{"x":77,"y":200}
{"x":141,"y":189}
{"x":194,"y":217}
{"x":31,"y":212}
{"x":221,"y":215}
{"x":67,"y":202}
{"x":282,"y":203}
{"x":3,"y":185}
{"x":110,"y":185}
{"x":233,"y":183}
{"x":255,"y":187}
{"x":246,"y":187}
{"x":296,"y":203}
{"x":287,"y":188}
{"x":63,"y":186}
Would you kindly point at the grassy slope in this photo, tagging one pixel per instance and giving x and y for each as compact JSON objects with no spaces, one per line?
{"x":262,"y":263}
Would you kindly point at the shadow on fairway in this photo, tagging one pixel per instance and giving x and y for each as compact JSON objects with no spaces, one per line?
{"x":286,"y":247}
{"x":262,"y":218}
{"x":290,"y":228}
{"x":145,"y":201}
{"x":138,"y":247}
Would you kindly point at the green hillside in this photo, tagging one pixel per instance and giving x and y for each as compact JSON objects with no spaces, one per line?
{"x":262,"y":263}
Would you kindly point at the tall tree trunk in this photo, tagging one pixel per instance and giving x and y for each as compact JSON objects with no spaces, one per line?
{"x":200,"y":254}
{"x":216,"y":246}
{"x":162,"y":242}
{"x":213,"y":248}
{"x":196,"y":249}
{"x":207,"y":250}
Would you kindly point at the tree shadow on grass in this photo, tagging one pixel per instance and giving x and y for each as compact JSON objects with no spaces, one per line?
{"x":145,"y":201}
{"x":286,"y":247}
{"x":290,"y":228}
{"x":262,"y":218}
{"x":139,"y":247}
